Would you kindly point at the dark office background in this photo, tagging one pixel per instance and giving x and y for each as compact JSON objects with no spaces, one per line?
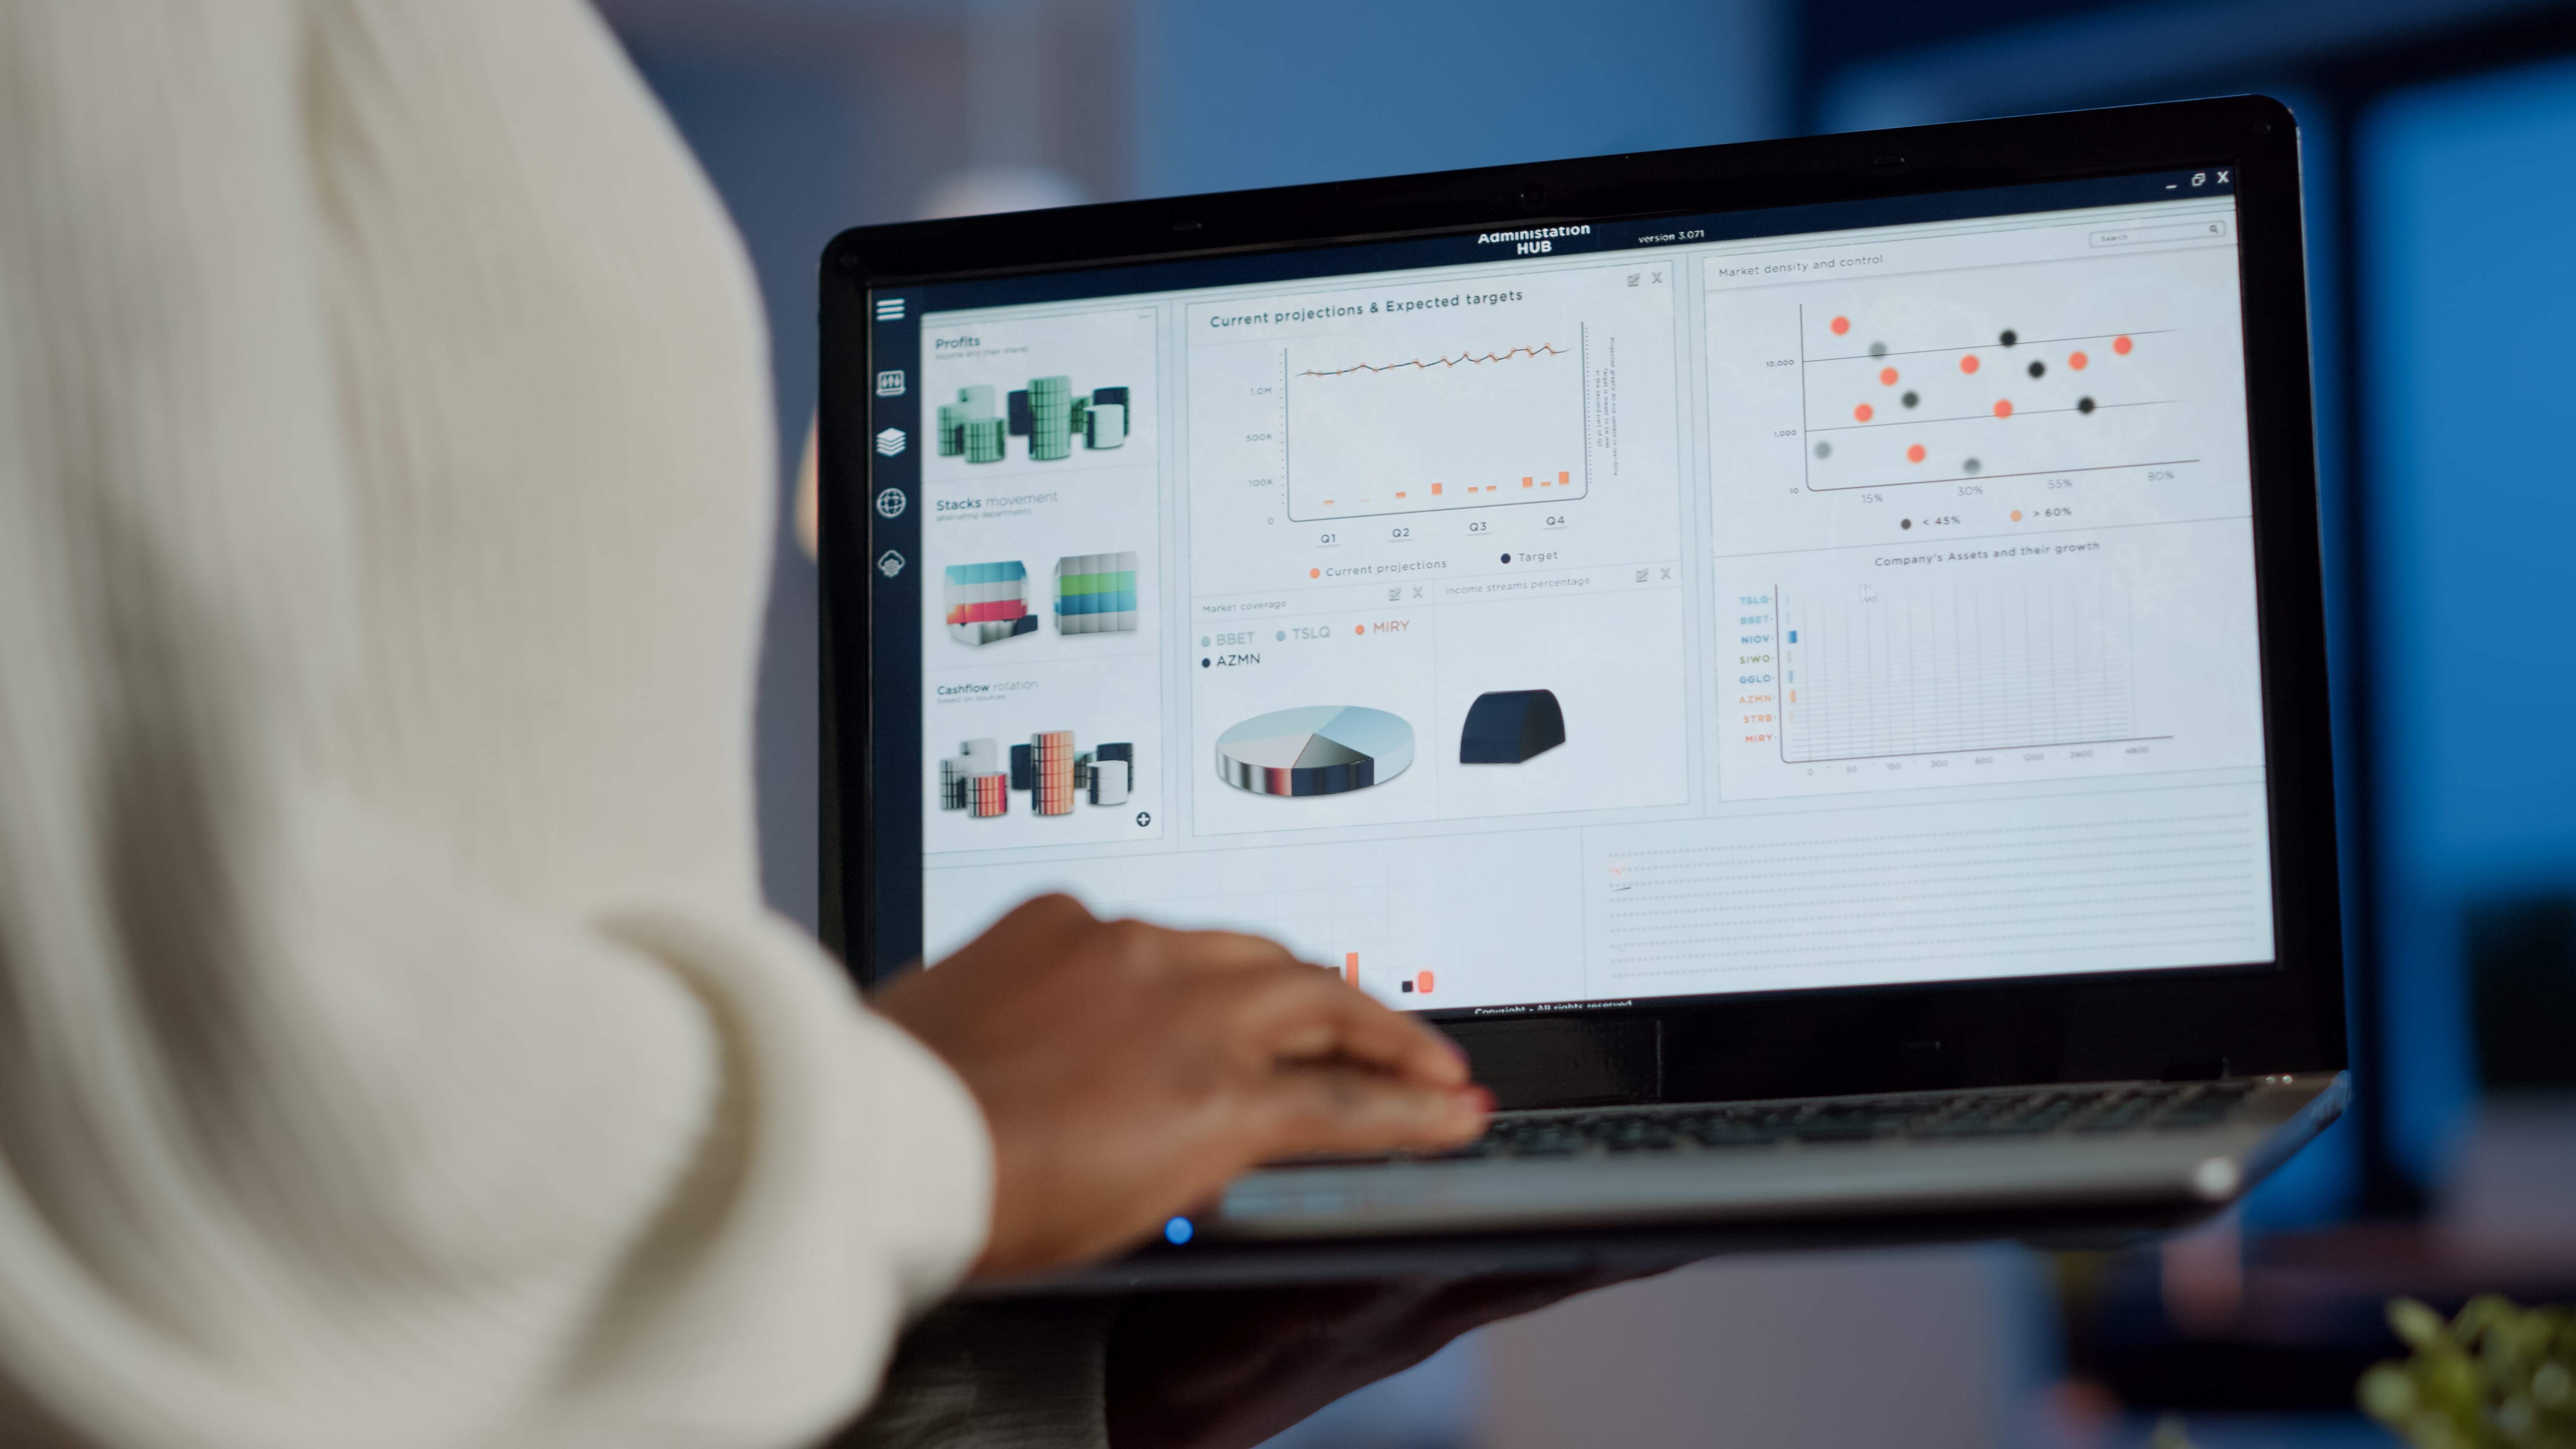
{"x":2440,"y":145}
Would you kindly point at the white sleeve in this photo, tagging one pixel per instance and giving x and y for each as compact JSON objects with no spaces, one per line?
{"x":308,"y":1134}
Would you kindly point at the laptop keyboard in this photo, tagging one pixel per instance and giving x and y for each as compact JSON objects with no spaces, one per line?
{"x":2028,"y":1112}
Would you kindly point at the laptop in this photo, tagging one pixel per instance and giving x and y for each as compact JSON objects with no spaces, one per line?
{"x":1806,"y":658}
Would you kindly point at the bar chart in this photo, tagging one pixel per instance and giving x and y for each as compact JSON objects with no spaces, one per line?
{"x":1874,"y":670}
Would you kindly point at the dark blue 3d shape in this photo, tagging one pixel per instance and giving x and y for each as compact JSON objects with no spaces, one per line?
{"x":1511,"y":726}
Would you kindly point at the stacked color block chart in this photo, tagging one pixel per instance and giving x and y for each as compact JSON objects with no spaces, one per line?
{"x":1323,"y":749}
{"x":1051,"y":768}
{"x":1095,"y":593}
{"x":1048,"y":413}
{"x":988,"y":601}
{"x":1953,"y":394}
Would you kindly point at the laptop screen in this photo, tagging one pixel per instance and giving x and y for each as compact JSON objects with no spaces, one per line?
{"x":1581,"y":615}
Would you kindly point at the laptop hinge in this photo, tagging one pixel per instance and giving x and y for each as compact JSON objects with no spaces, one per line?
{"x":1566,"y":1062}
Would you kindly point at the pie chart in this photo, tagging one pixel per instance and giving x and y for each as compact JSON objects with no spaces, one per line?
{"x":1322,"y":749}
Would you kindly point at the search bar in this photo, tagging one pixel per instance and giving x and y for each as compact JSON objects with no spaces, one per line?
{"x":2177,"y":231}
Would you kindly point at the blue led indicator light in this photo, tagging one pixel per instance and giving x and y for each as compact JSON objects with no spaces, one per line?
{"x":1177,"y":1231}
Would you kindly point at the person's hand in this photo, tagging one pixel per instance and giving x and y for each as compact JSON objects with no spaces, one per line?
{"x":1127,"y":1072}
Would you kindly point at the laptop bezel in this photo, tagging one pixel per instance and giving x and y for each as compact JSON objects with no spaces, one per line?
{"x":2286,"y":1015}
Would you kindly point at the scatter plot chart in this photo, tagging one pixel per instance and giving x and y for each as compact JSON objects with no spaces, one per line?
{"x":1927,"y":401}
{"x":2104,"y":369}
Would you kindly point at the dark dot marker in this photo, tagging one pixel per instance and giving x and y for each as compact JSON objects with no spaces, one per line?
{"x":1972,"y":465}
{"x":1507,"y":558}
{"x":1905,"y":523}
{"x":2084,"y":405}
{"x":1910,"y":399}
{"x":1204,"y":663}
{"x":1824,"y":450}
{"x":2010,"y":337}
{"x":1878,"y":349}
{"x":2039,"y":369}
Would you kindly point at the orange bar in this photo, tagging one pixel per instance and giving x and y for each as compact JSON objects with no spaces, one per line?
{"x":1435,"y":490}
{"x":1564,"y":476}
{"x":1399,"y":493}
{"x":1351,"y":967}
{"x":1422,"y":982}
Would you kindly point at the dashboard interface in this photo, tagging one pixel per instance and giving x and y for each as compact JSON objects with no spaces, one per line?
{"x":1851,"y":595}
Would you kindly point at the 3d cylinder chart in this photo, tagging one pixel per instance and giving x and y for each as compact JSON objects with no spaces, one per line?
{"x":1314,"y":750}
{"x":1053,"y":759}
{"x":980,"y":778}
{"x":1048,"y":413}
{"x":1511,"y":727}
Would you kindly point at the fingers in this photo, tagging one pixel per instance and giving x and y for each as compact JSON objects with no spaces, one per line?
{"x":1228,"y":951}
{"x":1349,"y":1109}
{"x":1047,"y":915}
{"x":1305,"y":1016}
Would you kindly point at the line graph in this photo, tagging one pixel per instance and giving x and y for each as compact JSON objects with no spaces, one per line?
{"x":1464,"y":359}
{"x":1448,"y":428}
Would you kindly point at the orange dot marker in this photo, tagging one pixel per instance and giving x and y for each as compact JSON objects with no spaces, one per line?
{"x":2121,"y":345}
{"x":1887,"y":377}
{"x":1359,"y":628}
{"x":1968,"y":363}
{"x":2016,"y":515}
{"x":1841,"y":325}
{"x":1862,"y":413}
{"x":1314,"y":573}
{"x":2077,"y":360}
{"x":2003,"y":407}
{"x":1914,"y":454}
